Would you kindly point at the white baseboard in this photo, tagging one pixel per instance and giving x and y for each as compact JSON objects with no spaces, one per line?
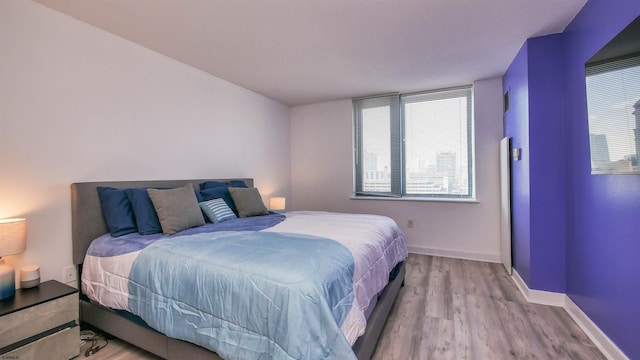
{"x":537,"y":296}
{"x":466,"y":255}
{"x":608,"y":348}
{"x":599,"y":338}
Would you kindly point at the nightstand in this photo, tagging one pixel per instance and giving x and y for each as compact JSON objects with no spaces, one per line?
{"x":40,"y":323}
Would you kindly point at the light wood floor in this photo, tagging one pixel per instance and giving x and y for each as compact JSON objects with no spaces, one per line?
{"x":117,"y":350}
{"x":461,"y":309}
{"x":457,"y":309}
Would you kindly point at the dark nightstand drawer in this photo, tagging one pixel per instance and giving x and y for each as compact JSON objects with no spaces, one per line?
{"x":64,"y":344}
{"x":37,"y":319}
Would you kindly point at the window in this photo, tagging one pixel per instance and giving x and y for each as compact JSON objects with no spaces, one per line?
{"x":613,"y":98}
{"x":415,"y":145}
{"x":613,"y":104}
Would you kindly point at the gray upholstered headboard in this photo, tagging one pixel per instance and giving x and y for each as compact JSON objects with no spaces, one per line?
{"x":87,"y":222}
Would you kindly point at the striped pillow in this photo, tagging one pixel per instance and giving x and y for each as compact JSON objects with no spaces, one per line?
{"x":217,"y":210}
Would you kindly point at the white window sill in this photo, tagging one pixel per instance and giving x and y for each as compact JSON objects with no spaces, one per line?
{"x":411,"y":198}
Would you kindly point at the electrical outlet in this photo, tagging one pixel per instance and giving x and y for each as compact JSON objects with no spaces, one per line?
{"x":68,"y":274}
{"x":409,"y":224}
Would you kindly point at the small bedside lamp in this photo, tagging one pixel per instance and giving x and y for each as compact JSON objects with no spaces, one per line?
{"x":13,"y":239}
{"x":277,"y":203}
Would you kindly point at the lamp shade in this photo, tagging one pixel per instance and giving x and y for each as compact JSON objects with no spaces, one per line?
{"x":277,"y":203}
{"x":13,"y":236}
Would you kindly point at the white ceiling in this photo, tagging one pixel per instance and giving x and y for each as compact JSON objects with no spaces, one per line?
{"x":309,"y":51}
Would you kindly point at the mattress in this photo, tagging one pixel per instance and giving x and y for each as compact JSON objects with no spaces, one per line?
{"x":374,"y":243}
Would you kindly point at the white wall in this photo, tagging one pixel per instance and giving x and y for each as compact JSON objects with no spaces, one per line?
{"x":80,"y":104}
{"x":322,"y":179}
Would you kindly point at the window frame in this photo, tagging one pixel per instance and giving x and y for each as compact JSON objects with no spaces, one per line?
{"x":395,"y":134}
{"x":611,"y":66}
{"x":397,"y":145}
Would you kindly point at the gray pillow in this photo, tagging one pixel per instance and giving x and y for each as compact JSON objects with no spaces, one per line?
{"x":177,"y":208}
{"x":248,"y":202}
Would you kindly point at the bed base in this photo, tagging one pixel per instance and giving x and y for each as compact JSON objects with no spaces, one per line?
{"x":109,"y":321}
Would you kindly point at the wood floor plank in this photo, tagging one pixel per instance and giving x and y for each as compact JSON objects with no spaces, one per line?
{"x":439,"y":300}
{"x":558,"y":319}
{"x":437,"y":341}
{"x":505,"y":285}
{"x":413,"y":298}
{"x":475,"y":281}
{"x":485,"y":336}
{"x":565,"y":340}
{"x":462,"y":321}
{"x":117,"y":350}
{"x":400,"y":347}
{"x":456,"y":274}
{"x":524,"y":341}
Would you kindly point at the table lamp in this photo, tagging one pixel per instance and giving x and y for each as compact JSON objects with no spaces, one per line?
{"x":277,"y":203}
{"x":13,"y":240}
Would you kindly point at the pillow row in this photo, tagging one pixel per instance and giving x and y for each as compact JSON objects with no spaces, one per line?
{"x":150,"y":211}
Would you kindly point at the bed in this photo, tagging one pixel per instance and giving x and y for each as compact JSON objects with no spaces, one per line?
{"x":346,"y":314}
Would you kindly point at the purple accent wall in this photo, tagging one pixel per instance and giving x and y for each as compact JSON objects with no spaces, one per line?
{"x":603,"y":211}
{"x":516,"y":126}
{"x":535,"y":122}
{"x":583,"y":238}
{"x":547,"y":163}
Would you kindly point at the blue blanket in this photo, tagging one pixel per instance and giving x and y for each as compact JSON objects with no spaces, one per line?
{"x":262,"y":296}
{"x":107,"y":245}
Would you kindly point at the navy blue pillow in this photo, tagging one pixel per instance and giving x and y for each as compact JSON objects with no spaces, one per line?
{"x":198,"y":196}
{"x":117,"y":211}
{"x":214,"y":184}
{"x":145,"y":214}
